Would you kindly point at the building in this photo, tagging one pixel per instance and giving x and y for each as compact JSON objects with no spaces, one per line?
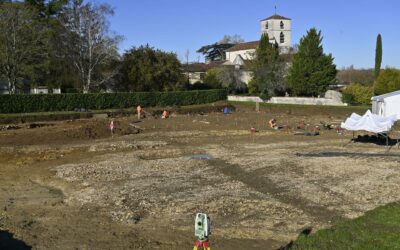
{"x":196,"y":71}
{"x":279,"y":31}
{"x":40,"y":90}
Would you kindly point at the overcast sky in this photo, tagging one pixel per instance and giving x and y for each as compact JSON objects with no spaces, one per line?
{"x":349,"y":27}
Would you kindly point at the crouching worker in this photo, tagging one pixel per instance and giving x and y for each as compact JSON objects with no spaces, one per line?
{"x":165,"y":115}
{"x":272,"y":124}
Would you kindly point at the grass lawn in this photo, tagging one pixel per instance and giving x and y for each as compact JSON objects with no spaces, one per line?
{"x":377,"y":229}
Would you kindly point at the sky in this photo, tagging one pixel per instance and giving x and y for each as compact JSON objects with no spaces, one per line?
{"x":349,"y":27}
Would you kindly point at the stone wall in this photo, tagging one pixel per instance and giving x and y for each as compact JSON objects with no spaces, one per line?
{"x":306,"y":101}
{"x":332,"y":98}
{"x":235,"y":98}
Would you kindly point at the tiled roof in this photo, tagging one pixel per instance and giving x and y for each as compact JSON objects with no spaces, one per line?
{"x":276,"y":17}
{"x":244,"y":46}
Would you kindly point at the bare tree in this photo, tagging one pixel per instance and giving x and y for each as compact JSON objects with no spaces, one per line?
{"x":22,"y":41}
{"x":227,"y":39}
{"x":89,"y":41}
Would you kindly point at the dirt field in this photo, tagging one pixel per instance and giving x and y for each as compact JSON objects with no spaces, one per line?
{"x":70,"y":185}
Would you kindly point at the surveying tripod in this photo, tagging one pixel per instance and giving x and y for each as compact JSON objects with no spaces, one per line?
{"x":202,"y":244}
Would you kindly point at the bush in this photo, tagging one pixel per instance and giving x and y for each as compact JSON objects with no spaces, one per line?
{"x":388,"y":81}
{"x":359,"y":94}
{"x":253,"y":87}
{"x":347,"y":98}
{"x":69,"y":102}
{"x":212,"y":78}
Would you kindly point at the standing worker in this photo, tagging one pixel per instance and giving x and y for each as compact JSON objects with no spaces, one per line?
{"x":112,"y":127}
{"x":139,"y":111}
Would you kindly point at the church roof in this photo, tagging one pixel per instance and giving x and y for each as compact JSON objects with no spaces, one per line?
{"x":276,"y":17}
{"x":244,"y":46}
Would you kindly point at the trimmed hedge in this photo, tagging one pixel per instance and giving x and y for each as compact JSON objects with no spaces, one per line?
{"x":70,"y":102}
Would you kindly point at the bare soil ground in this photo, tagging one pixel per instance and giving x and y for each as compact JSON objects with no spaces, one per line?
{"x":70,"y":185}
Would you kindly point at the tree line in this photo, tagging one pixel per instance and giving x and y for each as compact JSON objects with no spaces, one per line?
{"x":69,"y":44}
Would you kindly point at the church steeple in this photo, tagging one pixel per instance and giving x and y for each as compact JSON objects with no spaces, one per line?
{"x":279,"y":30}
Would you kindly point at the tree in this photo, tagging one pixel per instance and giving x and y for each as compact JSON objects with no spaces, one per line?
{"x":230,"y":79}
{"x":22,"y":42}
{"x":235,"y":39}
{"x":47,"y":9}
{"x":88,"y":41}
{"x":54,"y":68}
{"x":378,"y":55}
{"x":212,"y":78}
{"x":268,"y":69}
{"x":312,"y":71}
{"x":215,"y":52}
{"x":148,"y":69}
{"x":387,"y":81}
{"x":351,"y":75}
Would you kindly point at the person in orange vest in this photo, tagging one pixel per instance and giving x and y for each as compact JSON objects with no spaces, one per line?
{"x":139,"y":111}
{"x":165,"y":115}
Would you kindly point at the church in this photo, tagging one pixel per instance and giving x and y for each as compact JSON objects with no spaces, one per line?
{"x":279,"y":31}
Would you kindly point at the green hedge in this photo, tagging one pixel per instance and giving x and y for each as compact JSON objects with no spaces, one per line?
{"x":70,"y":102}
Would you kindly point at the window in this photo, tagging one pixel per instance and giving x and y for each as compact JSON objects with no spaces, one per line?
{"x":266,"y":25}
{"x":282,"y":38}
{"x":282,"y":25}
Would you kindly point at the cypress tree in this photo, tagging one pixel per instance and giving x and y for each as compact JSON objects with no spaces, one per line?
{"x":312,"y":71}
{"x":378,"y":55}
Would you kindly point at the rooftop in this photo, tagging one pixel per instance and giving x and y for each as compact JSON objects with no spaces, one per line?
{"x":244,"y":46}
{"x":276,"y":17}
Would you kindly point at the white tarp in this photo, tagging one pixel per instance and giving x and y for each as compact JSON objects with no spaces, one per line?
{"x":369,"y":122}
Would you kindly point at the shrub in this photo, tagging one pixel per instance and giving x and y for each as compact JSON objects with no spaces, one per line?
{"x":253,"y":87}
{"x":69,"y":102}
{"x":359,"y":94}
{"x":387,"y":81}
{"x":347,"y":98}
{"x":212,"y":79}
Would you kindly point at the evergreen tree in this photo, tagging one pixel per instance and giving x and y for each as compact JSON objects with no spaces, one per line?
{"x":268,"y":69}
{"x":378,"y":55}
{"x":312,"y":71}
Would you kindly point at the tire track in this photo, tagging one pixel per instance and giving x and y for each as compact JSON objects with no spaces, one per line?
{"x":265,"y":185}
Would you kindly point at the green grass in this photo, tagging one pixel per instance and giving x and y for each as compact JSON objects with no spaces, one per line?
{"x":377,"y":229}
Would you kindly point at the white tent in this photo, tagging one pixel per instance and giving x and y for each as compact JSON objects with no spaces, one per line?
{"x":369,"y":122}
{"x":387,"y":105}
